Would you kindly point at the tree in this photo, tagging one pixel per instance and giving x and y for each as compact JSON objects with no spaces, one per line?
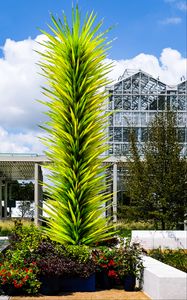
{"x":24,"y":194}
{"x":25,"y":209}
{"x":73,"y":65}
{"x":157,"y":181}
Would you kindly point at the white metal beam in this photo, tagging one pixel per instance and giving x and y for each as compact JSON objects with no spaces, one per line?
{"x":114,"y":204}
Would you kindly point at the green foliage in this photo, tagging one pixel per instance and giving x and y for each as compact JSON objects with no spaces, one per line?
{"x":5,"y":231}
{"x":125,"y":260}
{"x":76,"y":74}
{"x":25,"y":238}
{"x":131,"y":260}
{"x":19,"y":260}
{"x":174,"y":258}
{"x":157,"y":185}
{"x":80,"y":253}
{"x":7,"y":226}
{"x":125,"y":227}
{"x":18,"y":274}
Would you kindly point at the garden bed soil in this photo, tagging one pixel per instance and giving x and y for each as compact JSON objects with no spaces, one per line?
{"x":99,"y":295}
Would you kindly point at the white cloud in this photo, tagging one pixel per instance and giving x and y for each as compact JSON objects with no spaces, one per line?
{"x":173,"y":21}
{"x":169,"y":1}
{"x":28,"y":142}
{"x":182,"y":5}
{"x":20,"y":86}
{"x":170,"y":67}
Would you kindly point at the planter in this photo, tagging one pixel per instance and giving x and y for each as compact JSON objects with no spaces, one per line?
{"x":103,"y":281}
{"x":78,"y":284}
{"x":129,"y":282}
{"x":10,"y":290}
{"x":50,"y":285}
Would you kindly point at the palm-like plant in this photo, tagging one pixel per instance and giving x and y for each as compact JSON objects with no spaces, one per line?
{"x":73,"y":65}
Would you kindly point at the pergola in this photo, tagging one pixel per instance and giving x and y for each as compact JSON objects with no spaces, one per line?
{"x":28,"y":167}
{"x":22,"y":167}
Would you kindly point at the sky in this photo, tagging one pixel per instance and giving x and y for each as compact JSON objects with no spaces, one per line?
{"x":147,"y":34}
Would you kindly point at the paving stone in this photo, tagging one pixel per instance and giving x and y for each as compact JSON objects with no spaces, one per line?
{"x":4,"y":297}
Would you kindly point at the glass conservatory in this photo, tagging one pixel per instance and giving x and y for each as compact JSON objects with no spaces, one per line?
{"x":133,"y":101}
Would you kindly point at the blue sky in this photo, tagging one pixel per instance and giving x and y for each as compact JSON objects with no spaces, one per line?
{"x":149,"y":35}
{"x":141,"y":25}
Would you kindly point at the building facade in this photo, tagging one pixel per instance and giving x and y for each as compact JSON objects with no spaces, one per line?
{"x":133,"y":101}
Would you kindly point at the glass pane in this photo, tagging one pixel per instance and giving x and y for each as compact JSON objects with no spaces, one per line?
{"x":152,"y":102}
{"x":118,"y":88}
{"x":181,"y":135}
{"x":117,"y":149}
{"x":117,"y":134}
{"x":117,"y":118}
{"x":136,"y":120}
{"x":144,"y":134}
{"x":126,"y":132}
{"x":110,"y":120}
{"x":110,"y":103}
{"x":127,"y":86}
{"x":117,"y":102}
{"x":161,"y":102}
{"x":182,"y":102}
{"x":182,"y":87}
{"x":110,"y":133}
{"x":110,"y":151}
{"x":127,"y":102}
{"x":127,"y":119}
{"x":143,"y":119}
{"x":135,"y":102}
{"x":144,"y":102}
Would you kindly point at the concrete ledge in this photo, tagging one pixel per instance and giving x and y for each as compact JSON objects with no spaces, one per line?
{"x":3,"y":243}
{"x":162,"y":282}
{"x":152,"y":239}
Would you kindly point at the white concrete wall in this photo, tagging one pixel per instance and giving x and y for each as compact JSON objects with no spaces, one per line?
{"x":152,"y":239}
{"x":162,"y":282}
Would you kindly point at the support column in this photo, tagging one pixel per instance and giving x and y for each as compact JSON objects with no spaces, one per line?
{"x":6,"y":199}
{"x":10,"y":197}
{"x":38,"y":194}
{"x":1,"y":211}
{"x":114,"y":204}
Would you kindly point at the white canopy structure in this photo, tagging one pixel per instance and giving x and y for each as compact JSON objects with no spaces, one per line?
{"x":22,"y":167}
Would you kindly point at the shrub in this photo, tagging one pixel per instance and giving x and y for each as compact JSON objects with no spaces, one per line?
{"x":25,"y":237}
{"x":118,"y":262}
{"x":17,"y":272}
{"x":66,"y":261}
{"x":174,"y":258}
{"x":107,"y":260}
{"x":131,"y":260}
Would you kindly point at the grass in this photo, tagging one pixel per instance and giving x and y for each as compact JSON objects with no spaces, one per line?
{"x":125,"y":228}
{"x":6,"y":226}
{"x":174,"y":258}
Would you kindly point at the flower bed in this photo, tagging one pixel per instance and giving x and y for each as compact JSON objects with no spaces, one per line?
{"x":34,"y":264}
{"x":174,"y":258}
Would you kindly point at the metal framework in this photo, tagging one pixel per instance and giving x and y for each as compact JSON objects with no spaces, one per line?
{"x":22,"y":167}
{"x":133,"y":102}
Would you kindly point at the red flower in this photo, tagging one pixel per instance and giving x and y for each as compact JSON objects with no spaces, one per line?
{"x":111,"y":263}
{"x":103,"y":265}
{"x":112,"y":273}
